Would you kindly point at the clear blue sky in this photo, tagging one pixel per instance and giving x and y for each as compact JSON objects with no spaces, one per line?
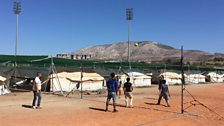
{"x":58,"y":26}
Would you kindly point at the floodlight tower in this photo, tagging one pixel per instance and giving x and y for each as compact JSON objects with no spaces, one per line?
{"x":17,"y":10}
{"x":129,"y":17}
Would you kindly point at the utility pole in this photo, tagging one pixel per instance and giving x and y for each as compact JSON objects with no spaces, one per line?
{"x":183,"y":80}
{"x":129,"y":17}
{"x":81,"y":79}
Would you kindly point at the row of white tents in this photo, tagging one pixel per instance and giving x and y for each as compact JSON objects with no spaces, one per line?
{"x":68,"y":81}
{"x":175,"y":78}
{"x":94,"y":81}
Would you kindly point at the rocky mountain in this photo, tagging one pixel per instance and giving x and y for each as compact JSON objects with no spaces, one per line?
{"x":147,"y":51}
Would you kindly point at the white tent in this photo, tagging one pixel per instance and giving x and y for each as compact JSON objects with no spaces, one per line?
{"x":2,"y":79}
{"x":172,"y":78}
{"x":215,"y":77}
{"x":137,"y":79}
{"x":69,"y":80}
{"x":194,"y":78}
{"x":3,"y":90}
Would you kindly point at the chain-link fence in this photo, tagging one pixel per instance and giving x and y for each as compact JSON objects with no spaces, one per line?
{"x":23,"y":68}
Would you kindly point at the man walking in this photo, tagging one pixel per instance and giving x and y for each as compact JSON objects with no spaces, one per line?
{"x":164,"y":92}
{"x":37,"y":91}
{"x":112,"y":85}
{"x":128,"y":93}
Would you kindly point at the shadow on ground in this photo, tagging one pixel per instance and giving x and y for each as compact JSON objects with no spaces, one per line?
{"x":151,"y":98}
{"x":27,"y":106}
{"x":154,"y":104}
{"x":97,"y":109}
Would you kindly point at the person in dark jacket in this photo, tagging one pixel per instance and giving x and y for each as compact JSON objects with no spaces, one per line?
{"x":161,"y":78}
{"x":128,"y":92}
{"x":164,"y":92}
{"x":112,"y":85}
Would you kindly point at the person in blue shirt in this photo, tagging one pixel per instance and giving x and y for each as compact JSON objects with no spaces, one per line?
{"x":112,"y":85}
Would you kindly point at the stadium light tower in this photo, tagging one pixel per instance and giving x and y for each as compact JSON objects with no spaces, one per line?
{"x":17,"y":11}
{"x":129,"y":17}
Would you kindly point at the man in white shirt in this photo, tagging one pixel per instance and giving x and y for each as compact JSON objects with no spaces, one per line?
{"x":37,"y":91}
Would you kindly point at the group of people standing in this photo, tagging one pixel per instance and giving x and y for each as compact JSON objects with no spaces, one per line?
{"x":114,"y":88}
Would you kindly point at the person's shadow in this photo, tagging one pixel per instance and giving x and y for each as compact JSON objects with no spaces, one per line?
{"x":98,"y":109}
{"x":27,"y":106}
{"x":154,"y":104}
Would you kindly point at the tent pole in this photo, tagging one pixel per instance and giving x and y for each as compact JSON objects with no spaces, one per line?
{"x":54,"y":71}
{"x":52,"y":79}
{"x":57,"y":78}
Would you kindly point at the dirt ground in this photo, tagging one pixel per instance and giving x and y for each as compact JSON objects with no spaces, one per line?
{"x":89,"y":111}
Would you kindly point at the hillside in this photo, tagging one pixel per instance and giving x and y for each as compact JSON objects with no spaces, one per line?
{"x":147,"y":51}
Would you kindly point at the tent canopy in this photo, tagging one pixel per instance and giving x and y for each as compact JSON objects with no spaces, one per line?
{"x":171,"y":75}
{"x":138,"y":79}
{"x":172,"y":78}
{"x":137,"y":75}
{"x":213,"y":74}
{"x":214,"y":77}
{"x":67,"y":81}
{"x":76,"y":76}
{"x":196,"y":76}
